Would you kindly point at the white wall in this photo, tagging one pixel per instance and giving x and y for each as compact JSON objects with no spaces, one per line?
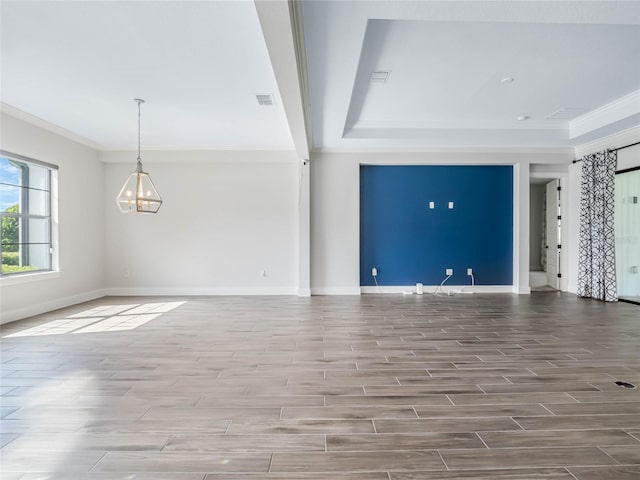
{"x":335,"y":209}
{"x":335,"y":224}
{"x":81,"y":223}
{"x":629,"y":157}
{"x":572,"y":231}
{"x":222,"y":222}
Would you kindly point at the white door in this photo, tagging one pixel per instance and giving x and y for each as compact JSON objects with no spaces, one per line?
{"x":552,"y":237}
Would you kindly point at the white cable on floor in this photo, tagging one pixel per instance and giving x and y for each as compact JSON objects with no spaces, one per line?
{"x":473,"y":284}
{"x":440,"y":287}
{"x":375,"y":279}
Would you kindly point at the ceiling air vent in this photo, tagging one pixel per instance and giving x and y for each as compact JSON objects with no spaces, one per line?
{"x":566,"y":113}
{"x":380,"y":76}
{"x":265,"y":100}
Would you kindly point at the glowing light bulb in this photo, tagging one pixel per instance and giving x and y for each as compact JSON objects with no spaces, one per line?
{"x":128,"y":193}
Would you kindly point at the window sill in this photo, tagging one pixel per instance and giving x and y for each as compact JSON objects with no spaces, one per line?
{"x":28,"y":278}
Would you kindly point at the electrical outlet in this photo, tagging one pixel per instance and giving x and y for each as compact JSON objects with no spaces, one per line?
{"x":374,"y":271}
{"x":469,"y":271}
{"x":450,"y":204}
{"x":449,"y":271}
{"x":432,"y":204}
{"x":263,"y":273}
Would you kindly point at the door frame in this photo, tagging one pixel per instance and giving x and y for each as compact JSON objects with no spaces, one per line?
{"x":562,"y":177}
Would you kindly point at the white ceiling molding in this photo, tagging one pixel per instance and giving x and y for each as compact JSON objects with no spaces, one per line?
{"x":456,"y":138}
{"x":297,"y":24}
{"x":452,"y":157}
{"x":276,"y":21}
{"x":616,"y":140}
{"x":185,"y":157}
{"x":618,"y":110}
{"x":457,"y":150}
{"x":459,"y":124}
{"x":204,"y":148}
{"x":48,"y":126}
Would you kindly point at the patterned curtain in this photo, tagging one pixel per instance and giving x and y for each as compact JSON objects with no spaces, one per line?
{"x":597,"y":261}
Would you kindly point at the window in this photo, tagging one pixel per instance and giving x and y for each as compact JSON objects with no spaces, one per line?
{"x":627,"y":226}
{"x":25,"y":212}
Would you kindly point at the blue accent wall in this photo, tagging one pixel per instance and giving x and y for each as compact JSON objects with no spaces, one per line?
{"x":409,"y":243}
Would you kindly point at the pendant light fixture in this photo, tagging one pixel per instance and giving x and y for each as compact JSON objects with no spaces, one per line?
{"x":139,"y":194}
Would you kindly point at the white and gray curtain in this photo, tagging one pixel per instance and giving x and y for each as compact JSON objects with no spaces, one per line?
{"x":597,"y":261}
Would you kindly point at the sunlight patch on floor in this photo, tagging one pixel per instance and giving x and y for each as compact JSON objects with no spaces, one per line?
{"x":107,"y":318}
{"x":104,"y":311}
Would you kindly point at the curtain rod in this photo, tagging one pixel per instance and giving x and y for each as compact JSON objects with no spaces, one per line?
{"x":626,"y":146}
{"x":614,"y":150}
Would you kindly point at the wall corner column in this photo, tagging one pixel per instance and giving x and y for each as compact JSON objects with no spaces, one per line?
{"x":521,"y":228}
{"x":304,"y":229}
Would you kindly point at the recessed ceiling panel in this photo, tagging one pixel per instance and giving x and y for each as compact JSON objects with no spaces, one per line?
{"x":465,"y":73}
{"x":449,"y":74}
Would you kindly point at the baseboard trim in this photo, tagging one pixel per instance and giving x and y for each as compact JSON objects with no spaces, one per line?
{"x":446,"y":290}
{"x":304,"y":292}
{"x":44,"y":307}
{"x":212,"y":291}
{"x":335,"y":291}
{"x":522,"y":290}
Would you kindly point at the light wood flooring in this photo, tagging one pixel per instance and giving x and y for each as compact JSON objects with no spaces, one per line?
{"x":377,"y":387}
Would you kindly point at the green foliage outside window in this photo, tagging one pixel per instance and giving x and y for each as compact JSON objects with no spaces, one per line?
{"x":10,"y":253}
{"x":10,"y":232}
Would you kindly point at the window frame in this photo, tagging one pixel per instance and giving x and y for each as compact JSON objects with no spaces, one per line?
{"x":52,"y":171}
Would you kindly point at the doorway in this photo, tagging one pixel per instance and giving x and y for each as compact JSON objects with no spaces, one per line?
{"x":545,"y":243}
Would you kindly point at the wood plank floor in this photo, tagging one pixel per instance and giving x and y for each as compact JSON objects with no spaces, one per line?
{"x":377,"y":387}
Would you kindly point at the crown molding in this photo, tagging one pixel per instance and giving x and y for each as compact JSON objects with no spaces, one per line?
{"x":617,"y":110}
{"x":616,"y":140}
{"x":186,"y":157}
{"x":461,"y":124}
{"x":204,"y":148}
{"x":499,"y":150}
{"x":48,"y":126}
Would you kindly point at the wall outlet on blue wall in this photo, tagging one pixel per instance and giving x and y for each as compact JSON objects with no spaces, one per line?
{"x":449,"y":271}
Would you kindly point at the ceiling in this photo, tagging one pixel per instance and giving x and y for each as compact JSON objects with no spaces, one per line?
{"x":77,"y":65}
{"x":198,"y":66}
{"x":446,"y":64}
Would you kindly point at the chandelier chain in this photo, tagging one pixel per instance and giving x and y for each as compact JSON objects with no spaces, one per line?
{"x":139,"y":130}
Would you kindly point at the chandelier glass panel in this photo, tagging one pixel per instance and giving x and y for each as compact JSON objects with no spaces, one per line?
{"x":139,"y":194}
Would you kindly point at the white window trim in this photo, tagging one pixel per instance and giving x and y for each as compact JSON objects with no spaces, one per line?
{"x":19,"y":278}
